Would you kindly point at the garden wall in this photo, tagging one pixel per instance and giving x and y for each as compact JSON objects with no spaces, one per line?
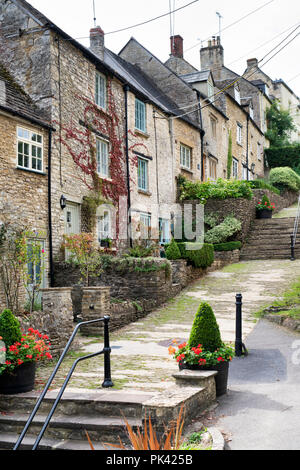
{"x":244,"y":209}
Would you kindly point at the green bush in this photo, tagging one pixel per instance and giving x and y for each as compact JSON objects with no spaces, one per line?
{"x":205,"y":329}
{"x":285,"y":178}
{"x":173,"y":252}
{"x":220,"y":189}
{"x":220,"y":233}
{"x":10,"y":329}
{"x":198,"y":258}
{"x":283,"y":156}
{"x":228,"y":246}
{"x":141,"y":251}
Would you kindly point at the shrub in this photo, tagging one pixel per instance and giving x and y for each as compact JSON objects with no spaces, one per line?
{"x":228,"y":246}
{"x":173,"y":252}
{"x":283,"y":156}
{"x":139,"y":251}
{"x":285,"y":178}
{"x":223,"y":231}
{"x":220,"y":189}
{"x":262,"y":184}
{"x":198,"y":258}
{"x":10,"y":329}
{"x":205,"y":329}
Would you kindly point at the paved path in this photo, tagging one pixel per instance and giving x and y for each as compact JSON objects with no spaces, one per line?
{"x":262,"y":408}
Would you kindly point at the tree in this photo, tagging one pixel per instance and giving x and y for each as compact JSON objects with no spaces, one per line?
{"x":280,"y":124}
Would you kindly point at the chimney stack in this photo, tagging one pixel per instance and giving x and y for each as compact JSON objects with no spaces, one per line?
{"x":97,"y":42}
{"x":252,"y":63}
{"x":212,"y":57}
{"x":177,"y":46}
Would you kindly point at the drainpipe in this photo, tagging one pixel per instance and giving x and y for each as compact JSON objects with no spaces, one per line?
{"x":50,"y":210}
{"x":202,"y":134}
{"x":247,"y":149}
{"x":126,"y":89}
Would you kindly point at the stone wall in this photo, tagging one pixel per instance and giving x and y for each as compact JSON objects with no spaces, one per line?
{"x":56,"y":319}
{"x":244,"y":209}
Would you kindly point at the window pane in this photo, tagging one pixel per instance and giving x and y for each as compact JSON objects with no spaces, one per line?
{"x":102,"y":158}
{"x":100,"y":91}
{"x":140,"y":115}
{"x":142,"y":174}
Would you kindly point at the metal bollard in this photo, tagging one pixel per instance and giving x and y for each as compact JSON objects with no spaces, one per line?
{"x":240,"y":348}
{"x":107,"y":350}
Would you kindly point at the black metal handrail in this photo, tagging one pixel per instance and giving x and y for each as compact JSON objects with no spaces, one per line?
{"x":295,"y":232}
{"x":106,"y":384}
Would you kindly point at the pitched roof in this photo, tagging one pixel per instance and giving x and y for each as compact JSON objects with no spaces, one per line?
{"x":13,"y":99}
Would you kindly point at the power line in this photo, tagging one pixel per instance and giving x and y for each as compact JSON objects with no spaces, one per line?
{"x":232,"y":24}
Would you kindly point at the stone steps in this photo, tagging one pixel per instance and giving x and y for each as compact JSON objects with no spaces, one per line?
{"x":99,"y":413}
{"x":270,"y":239}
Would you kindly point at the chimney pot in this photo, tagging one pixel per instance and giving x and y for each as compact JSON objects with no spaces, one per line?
{"x":177,"y":46}
{"x":252,"y":62}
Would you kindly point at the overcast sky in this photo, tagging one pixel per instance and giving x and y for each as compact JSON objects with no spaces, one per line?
{"x":254,"y":36}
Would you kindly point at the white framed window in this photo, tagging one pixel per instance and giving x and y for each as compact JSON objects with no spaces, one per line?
{"x":102,"y":149}
{"x":244,"y":172}
{"x":29,"y":149}
{"x":239,"y":129}
{"x":100,"y":90}
{"x":213,"y":168}
{"x":143,"y":174}
{"x":145,"y":226}
{"x":164,"y":230}
{"x":185,"y":156}
{"x":235,"y":168}
{"x":104,"y":226}
{"x":140,"y":115}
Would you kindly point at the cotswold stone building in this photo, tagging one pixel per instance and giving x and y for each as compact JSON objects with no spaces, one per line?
{"x":24,"y":163}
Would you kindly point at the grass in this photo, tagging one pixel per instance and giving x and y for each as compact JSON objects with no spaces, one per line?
{"x":288,"y":305}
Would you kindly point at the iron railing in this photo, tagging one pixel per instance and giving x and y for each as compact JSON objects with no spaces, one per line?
{"x":106,"y":384}
{"x":295,"y":232}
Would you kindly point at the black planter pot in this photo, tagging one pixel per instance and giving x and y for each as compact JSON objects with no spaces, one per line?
{"x":264,"y":214}
{"x":21,"y":380}
{"x":221,"y":378}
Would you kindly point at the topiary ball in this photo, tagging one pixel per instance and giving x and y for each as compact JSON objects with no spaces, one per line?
{"x":10,"y":329}
{"x":205,"y":329}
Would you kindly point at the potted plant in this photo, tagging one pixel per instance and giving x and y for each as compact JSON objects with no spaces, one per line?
{"x":264,"y":208}
{"x":205,"y":349}
{"x":19,"y":354}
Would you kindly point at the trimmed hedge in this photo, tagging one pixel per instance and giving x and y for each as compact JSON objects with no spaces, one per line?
{"x":198,"y":258}
{"x":228,"y":246}
{"x":285,"y":178}
{"x":283,"y":156}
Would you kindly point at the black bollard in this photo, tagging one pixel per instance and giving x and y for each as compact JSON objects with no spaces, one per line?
{"x":107,"y":350}
{"x":240,"y":348}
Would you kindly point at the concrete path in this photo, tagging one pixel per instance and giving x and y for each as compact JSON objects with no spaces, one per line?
{"x":262,"y":408}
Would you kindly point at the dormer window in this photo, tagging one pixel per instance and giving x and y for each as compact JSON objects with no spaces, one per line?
{"x":237,"y":95}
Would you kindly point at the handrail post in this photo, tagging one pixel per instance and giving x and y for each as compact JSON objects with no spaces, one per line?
{"x":107,"y":350}
{"x":292,"y":248}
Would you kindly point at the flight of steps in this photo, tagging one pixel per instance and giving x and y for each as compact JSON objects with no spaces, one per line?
{"x":270,"y":239}
{"x":101,"y":417}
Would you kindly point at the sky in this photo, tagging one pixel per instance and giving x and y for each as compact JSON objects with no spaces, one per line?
{"x":254,"y":36}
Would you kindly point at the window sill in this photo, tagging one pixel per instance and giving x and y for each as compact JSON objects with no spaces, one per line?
{"x":28,"y":170}
{"x":188,"y":170}
{"x":105,"y":178}
{"x":145,"y":193}
{"x":239,"y":143}
{"x":141,"y":133}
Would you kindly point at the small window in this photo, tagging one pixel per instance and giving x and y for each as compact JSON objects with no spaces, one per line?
{"x":104,"y":226}
{"x":235,"y":168}
{"x":143,"y":174}
{"x":29,"y":149}
{"x":185,"y":156}
{"x":245,"y":173}
{"x":213,"y":168}
{"x":145,"y":226}
{"x":239,"y":129}
{"x":140,"y":115}
{"x":102,"y":158}
{"x":213,"y":123}
{"x":100,"y":90}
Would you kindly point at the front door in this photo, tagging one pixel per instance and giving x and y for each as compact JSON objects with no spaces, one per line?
{"x":72,"y":221}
